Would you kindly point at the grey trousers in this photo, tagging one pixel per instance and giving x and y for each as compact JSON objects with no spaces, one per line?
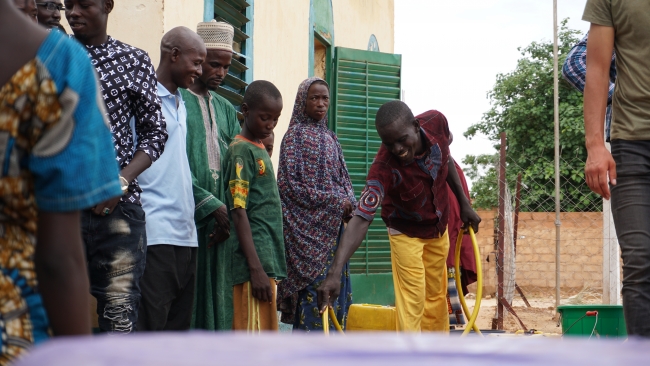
{"x":631,"y":211}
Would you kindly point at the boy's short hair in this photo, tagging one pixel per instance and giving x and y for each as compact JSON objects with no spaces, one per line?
{"x":392,"y":111}
{"x":259,"y":89}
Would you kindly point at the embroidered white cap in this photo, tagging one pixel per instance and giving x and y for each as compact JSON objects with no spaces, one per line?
{"x":216,"y":35}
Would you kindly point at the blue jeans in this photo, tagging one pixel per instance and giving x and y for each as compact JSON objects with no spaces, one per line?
{"x":631,"y":211}
{"x":116,"y":248}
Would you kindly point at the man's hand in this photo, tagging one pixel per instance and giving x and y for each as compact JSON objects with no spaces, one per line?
{"x":261,"y":285}
{"x":599,"y":165}
{"x":328,"y":292}
{"x":221,"y":229}
{"x":469,"y":217}
{"x":106,"y":208}
{"x":347,"y":210}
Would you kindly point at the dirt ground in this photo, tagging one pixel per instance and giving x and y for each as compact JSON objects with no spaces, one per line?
{"x":540,"y":316}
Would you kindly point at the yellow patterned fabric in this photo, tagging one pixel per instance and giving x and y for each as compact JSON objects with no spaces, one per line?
{"x":48,"y":162}
{"x":238,"y":186}
{"x":29,"y":103}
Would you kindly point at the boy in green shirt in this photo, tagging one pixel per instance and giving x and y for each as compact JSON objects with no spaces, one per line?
{"x":256,"y":213}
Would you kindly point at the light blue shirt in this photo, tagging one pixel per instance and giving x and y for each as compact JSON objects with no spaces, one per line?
{"x":167,"y":197}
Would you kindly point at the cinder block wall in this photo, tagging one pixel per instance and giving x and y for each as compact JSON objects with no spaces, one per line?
{"x":581,"y":250}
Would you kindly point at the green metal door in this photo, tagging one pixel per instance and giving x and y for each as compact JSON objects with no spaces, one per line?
{"x":362,"y":81}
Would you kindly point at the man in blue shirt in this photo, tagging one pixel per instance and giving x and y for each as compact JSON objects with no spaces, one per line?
{"x":170,"y":272}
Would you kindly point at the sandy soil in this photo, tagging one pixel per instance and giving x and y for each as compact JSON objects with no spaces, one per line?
{"x":541,"y":316}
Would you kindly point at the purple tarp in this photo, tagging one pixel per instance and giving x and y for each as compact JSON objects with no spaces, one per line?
{"x":376,"y":349}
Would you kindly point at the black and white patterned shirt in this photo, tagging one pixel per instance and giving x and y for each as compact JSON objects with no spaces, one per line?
{"x":129,"y":88}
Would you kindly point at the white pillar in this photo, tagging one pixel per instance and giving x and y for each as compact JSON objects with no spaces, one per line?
{"x":611,"y":258}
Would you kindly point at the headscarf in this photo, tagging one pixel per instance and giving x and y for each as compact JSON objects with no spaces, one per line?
{"x":314,"y":183}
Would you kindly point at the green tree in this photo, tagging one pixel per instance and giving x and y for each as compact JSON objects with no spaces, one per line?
{"x":522,"y":107}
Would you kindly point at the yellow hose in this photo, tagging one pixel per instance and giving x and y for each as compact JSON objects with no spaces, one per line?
{"x":326,"y":324}
{"x":471,"y":323}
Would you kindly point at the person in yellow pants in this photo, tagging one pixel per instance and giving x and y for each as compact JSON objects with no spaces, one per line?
{"x":408,"y":180}
{"x":420,"y":279}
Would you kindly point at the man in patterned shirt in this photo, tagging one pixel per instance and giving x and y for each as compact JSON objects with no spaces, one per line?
{"x":574,"y":72}
{"x":114,"y":231}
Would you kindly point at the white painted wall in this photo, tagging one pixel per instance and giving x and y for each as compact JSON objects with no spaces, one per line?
{"x":356,"y":20}
{"x":142,"y":23}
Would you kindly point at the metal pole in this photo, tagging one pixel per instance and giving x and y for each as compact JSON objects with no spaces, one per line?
{"x":498,"y":322}
{"x":556,"y":117}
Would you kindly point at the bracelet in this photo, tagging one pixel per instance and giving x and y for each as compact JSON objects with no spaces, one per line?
{"x":124,"y":184}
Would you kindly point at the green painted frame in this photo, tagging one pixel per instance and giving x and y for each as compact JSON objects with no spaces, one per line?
{"x":321,"y":28}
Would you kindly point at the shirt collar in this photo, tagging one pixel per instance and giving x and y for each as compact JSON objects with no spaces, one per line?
{"x":163,"y":92}
{"x":427,"y":141}
{"x":109,"y":40}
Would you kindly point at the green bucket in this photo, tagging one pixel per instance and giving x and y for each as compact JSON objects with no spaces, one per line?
{"x":609,"y":322}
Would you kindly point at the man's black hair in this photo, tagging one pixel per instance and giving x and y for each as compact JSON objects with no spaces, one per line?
{"x":393,"y":111}
{"x":259,"y":89}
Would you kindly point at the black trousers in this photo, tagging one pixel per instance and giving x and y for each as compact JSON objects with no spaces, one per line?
{"x":167,"y":286}
{"x":631,"y":212}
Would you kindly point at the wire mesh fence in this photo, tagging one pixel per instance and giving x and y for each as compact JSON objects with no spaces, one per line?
{"x":518,"y":241}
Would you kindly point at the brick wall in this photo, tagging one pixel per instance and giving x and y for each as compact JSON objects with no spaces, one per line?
{"x":581,"y":250}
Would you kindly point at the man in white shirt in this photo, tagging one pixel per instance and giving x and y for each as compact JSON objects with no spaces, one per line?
{"x":170,"y":273}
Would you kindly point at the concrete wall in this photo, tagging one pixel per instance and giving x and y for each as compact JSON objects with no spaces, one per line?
{"x":281,"y":52}
{"x":280,"y":41}
{"x":142,"y":23}
{"x":581,"y":254}
{"x":356,"y":20}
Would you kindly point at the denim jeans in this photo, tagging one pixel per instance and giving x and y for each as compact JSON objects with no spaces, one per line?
{"x":631,"y":211}
{"x":116,"y":248}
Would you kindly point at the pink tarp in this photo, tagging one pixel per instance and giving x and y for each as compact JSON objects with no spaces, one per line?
{"x":376,"y":349}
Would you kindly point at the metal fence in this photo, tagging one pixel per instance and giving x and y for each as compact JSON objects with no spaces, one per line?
{"x":518,"y":239}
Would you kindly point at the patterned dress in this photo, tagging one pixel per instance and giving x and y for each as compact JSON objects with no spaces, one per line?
{"x":51,"y":162}
{"x":314,"y":184}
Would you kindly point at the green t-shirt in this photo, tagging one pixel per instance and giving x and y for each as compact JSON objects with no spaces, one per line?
{"x":250,"y":184}
{"x":631,"y":22}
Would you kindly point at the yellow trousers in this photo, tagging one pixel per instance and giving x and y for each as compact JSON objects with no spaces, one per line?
{"x":420,"y":280}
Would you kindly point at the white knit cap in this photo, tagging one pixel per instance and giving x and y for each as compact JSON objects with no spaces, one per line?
{"x":216,"y":35}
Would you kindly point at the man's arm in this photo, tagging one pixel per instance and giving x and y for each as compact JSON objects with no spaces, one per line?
{"x":467,"y":215}
{"x":352,"y":237}
{"x":259,"y":280}
{"x":150,"y":126}
{"x":599,"y":160}
{"x":61,"y":271}
{"x":138,"y":164}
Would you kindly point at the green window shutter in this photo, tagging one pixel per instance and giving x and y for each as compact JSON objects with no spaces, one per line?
{"x":362,"y":82}
{"x":235,"y":13}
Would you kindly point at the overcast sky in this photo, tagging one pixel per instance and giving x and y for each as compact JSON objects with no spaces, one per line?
{"x":453,"y":50}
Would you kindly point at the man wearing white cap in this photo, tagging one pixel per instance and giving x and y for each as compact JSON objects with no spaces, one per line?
{"x":211,"y":125}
